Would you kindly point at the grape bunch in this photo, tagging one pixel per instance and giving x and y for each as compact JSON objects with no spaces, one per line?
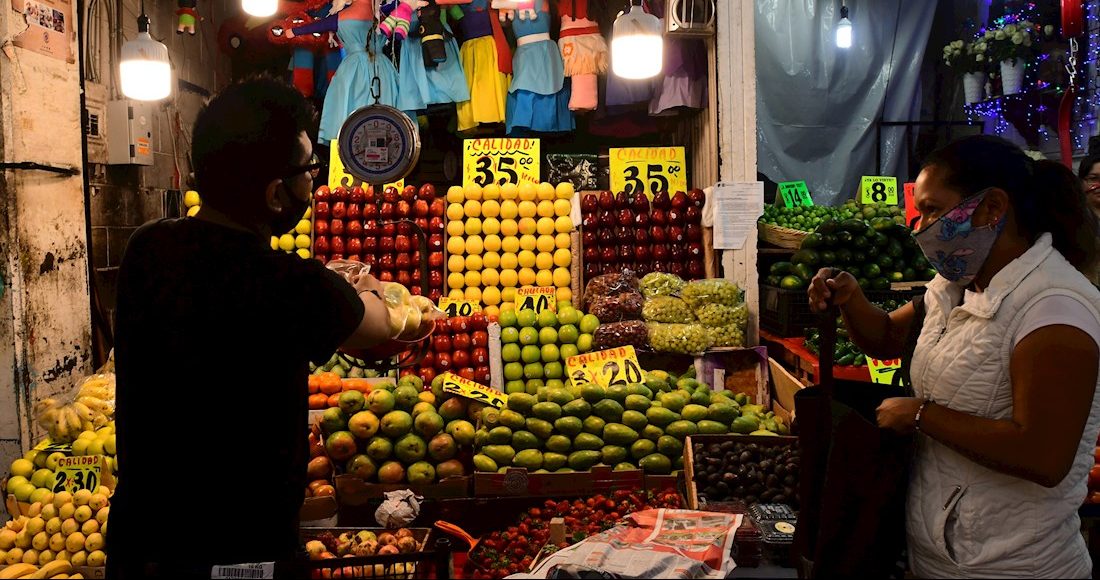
{"x":718,"y":314}
{"x":728,"y":335}
{"x":661,"y":284}
{"x":667,"y":309}
{"x":679,"y":338}
{"x":701,"y":292}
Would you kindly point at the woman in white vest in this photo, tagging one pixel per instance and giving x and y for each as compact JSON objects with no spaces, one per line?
{"x":1005,"y":369}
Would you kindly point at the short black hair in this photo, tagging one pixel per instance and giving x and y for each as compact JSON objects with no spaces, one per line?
{"x":247,"y":136}
{"x":1086,"y":165}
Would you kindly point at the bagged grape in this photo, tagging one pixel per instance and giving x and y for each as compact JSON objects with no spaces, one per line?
{"x":701,"y":292}
{"x":679,"y":338}
{"x":661,"y":284}
{"x":728,"y":335}
{"x":608,"y":285}
{"x":619,"y":307}
{"x":717,"y":314}
{"x":630,"y":332}
{"x":667,"y":309}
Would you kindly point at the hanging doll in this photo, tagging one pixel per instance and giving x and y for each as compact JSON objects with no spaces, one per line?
{"x":188,"y":16}
{"x":538,"y":99}
{"x":584,"y":52}
{"x":354,"y":85}
{"x":430,"y":72}
{"x":682,"y":83}
{"x":315,"y":56}
{"x":487,"y":62}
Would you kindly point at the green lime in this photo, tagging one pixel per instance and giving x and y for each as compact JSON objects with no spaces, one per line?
{"x":568,"y":334}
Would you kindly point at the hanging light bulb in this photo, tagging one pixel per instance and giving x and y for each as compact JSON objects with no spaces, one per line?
{"x":844,"y":29}
{"x":637,"y":48}
{"x":145,"y":72}
{"x":260,"y":7}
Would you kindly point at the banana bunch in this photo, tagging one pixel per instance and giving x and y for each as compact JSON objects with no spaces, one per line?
{"x":54,"y":569}
{"x":89,"y":410}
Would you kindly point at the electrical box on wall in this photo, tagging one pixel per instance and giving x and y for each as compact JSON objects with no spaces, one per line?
{"x":95,"y":123}
{"x":129,"y":133}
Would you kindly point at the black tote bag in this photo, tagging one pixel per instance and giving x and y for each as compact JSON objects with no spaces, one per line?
{"x":853,"y":475}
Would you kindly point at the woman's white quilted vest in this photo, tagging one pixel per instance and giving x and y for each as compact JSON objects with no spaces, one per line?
{"x":966,"y":520}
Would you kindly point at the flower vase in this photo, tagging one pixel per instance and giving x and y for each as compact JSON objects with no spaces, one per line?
{"x":1012,"y":76}
{"x":974,"y":87}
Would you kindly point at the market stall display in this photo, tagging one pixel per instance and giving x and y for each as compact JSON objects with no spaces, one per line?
{"x":459,"y":345}
{"x":534,"y":347}
{"x":751,"y":469}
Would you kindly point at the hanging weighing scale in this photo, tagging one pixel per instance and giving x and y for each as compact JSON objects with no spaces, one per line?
{"x":379,"y":144}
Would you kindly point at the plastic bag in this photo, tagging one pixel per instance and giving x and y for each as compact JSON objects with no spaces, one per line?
{"x":348,"y":269}
{"x":728,"y":335}
{"x":399,"y":509}
{"x":722,"y":315}
{"x":630,"y":332}
{"x":619,"y":307}
{"x":667,"y":309}
{"x":408,"y":313}
{"x":661,"y":284}
{"x":90,"y":407}
{"x":609,"y":284}
{"x":716,"y":291}
{"x":679,"y":338}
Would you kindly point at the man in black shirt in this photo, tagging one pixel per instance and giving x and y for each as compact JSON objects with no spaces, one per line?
{"x":215,"y":332}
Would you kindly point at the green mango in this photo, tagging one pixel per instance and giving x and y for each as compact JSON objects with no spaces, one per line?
{"x":540,"y":427}
{"x":652,"y":432}
{"x":656,"y":463}
{"x":616,"y":434}
{"x":529,"y":459}
{"x":594,"y":425}
{"x":694,"y":413}
{"x":510,"y":419}
{"x":500,"y":435}
{"x":743,"y":425}
{"x":569,"y":426}
{"x":522,"y":440}
{"x":587,"y":442}
{"x":642,"y":448}
{"x":613,"y":454}
{"x":521,"y":403}
{"x":501,"y":454}
{"x":661,"y":416}
{"x":638,"y":403}
{"x":552,"y":461}
{"x":682,"y":429}
{"x":484,"y":463}
{"x":559,"y":444}
{"x":577,"y":408}
{"x":635,"y":420}
{"x":593,"y":393}
{"x":670,"y":446}
{"x":583,"y":460}
{"x":708,"y":427}
{"x":609,"y":410}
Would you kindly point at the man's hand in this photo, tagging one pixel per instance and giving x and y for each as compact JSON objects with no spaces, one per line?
{"x":367,"y":283}
{"x":831,"y":287}
{"x":899,"y":414}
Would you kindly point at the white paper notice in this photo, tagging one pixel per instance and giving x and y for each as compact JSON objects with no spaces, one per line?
{"x":737,"y":206}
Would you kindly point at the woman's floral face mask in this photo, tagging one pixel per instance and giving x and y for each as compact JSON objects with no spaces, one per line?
{"x":954,"y":247}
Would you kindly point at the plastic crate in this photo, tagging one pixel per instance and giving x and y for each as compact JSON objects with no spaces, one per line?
{"x":786,"y":313}
{"x":432,"y":561}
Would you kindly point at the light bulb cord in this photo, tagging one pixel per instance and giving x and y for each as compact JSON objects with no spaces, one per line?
{"x":843,"y":10}
{"x":143,"y":20}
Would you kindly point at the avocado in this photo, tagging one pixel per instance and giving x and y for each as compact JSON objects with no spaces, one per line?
{"x":656,"y":463}
{"x":528,"y":458}
{"x":577,"y":408}
{"x":781,"y":268}
{"x":587,"y":442}
{"x":613,"y":454}
{"x":807,"y":256}
{"x":616,"y":434}
{"x":636,"y":420}
{"x":811,"y":241}
{"x":854,"y":226}
{"x":547,"y":411}
{"x":608,"y":410}
{"x":521,"y":403}
{"x":569,"y":426}
{"x":483,"y":462}
{"x":583,"y":460}
{"x":501,"y":454}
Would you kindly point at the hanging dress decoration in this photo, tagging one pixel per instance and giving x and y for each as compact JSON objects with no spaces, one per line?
{"x":682,"y":83}
{"x":487,"y":63}
{"x":538,"y":99}
{"x":365,"y":76}
{"x":429,"y":74}
{"x":584,"y":53}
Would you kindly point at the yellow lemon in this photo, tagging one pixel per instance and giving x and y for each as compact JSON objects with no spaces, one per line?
{"x":491,"y":260}
{"x":544,"y":261}
{"x":509,"y":261}
{"x":562,"y":277}
{"x":473,"y":226}
{"x":527,"y":192}
{"x":509,"y":293}
{"x":562,"y":207}
{"x":490,"y":310}
{"x":457,"y":293}
{"x":455,"y":194}
{"x":527,"y":225}
{"x":472,"y":191}
{"x":545,"y":191}
{"x":303,"y":227}
{"x":545,"y":226}
{"x":454,"y":211}
{"x":473,"y":294}
{"x":509,"y":228}
{"x":193,"y":211}
{"x":528,"y":242}
{"x":456,"y":263}
{"x":562,"y":241}
{"x":490,"y":277}
{"x":456,"y":246}
{"x":308,"y":214}
{"x":472,"y":263}
{"x":491,"y":191}
{"x":527,"y":277}
{"x":508,"y":209}
{"x":510,"y":244}
{"x":508,"y":279}
{"x":563,"y":224}
{"x":473,"y":279}
{"x":191,"y":198}
{"x":274,"y":242}
{"x":492,"y":243}
{"x":304,"y":253}
{"x":545,"y":244}
{"x":456,"y":280}
{"x":526,"y":259}
{"x":286,"y":242}
{"x":507,"y":306}
{"x":474,"y":245}
{"x":527,"y":209}
{"x":490,"y":297}
{"x":544,"y":278}
{"x":545,"y":209}
{"x":509,"y":191}
{"x":490,"y":226}
{"x":563,"y":258}
{"x":472,"y":207}
{"x":302,"y":241}
{"x":456,"y":228}
{"x":564,"y":190}
{"x":490,"y":208}
{"x":565,"y":295}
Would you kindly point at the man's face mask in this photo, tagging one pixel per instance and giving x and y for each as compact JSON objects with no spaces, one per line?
{"x":954,"y":246}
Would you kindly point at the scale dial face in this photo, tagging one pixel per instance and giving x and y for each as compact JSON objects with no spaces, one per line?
{"x":379,"y":144}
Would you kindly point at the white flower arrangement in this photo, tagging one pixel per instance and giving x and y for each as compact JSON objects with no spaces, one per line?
{"x":966,"y":57}
{"x":1011,"y":41}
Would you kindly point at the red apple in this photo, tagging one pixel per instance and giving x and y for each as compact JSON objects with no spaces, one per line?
{"x":461,"y":324}
{"x":385,"y":245}
{"x":676,"y":268}
{"x":607,"y":255}
{"x":438,"y":208}
{"x":429,"y":359}
{"x":641,"y":269}
{"x":696,"y":269}
{"x":467,"y":373}
{"x":590,"y":222}
{"x":402,"y":244}
{"x":626,"y":217}
{"x":693,"y":215}
{"x":357,"y":195}
{"x":427,"y":192}
{"x":461,"y":358}
{"x":626,"y":254}
{"x":680,"y":200}
{"x":355,"y":211}
{"x":657,"y":234}
{"x":339,"y":210}
{"x":409,"y":193}
{"x":354,"y":229}
{"x":675,"y":234}
{"x":588,"y":238}
{"x":320,"y":244}
{"x":695,"y":251}
{"x":623,"y":234}
{"x":320,"y":227}
{"x":335,"y":257}
{"x":482,"y":374}
{"x":404,"y":228}
{"x":337,"y":228}
{"x":322,"y":193}
{"x":443,"y":360}
{"x":436,"y":226}
{"x":355,"y":258}
{"x":591,"y":254}
{"x":641,"y":203}
{"x":420,"y":208}
{"x":606,"y":236}
{"x":660,"y":254}
{"x":435,"y":260}
{"x":391,"y":195}
{"x":658,"y":217}
{"x":661,"y":200}
{"x":422,"y":223}
{"x":415,"y":256}
{"x":660,"y":266}
{"x":693,"y":232}
{"x":590,"y":203}
{"x":677,"y":252}
{"x":607,"y":219}
{"x":697,"y":197}
{"x":435,"y":243}
{"x":641,"y":220}
{"x":427,"y":374}
{"x":480,"y":357}
{"x":370,"y":211}
{"x":622,"y":201}
{"x":641,"y":236}
{"x":461,"y":339}
{"x":370,"y":228}
{"x":339,"y":194}
{"x":389,"y":229}
{"x":416,"y":277}
{"x":385,"y":276}
{"x":336,"y":245}
{"x":404,"y":278}
{"x":404,"y":209}
{"x":479,"y":322}
{"x":402,"y":262}
{"x":387,"y":262}
{"x":323,"y":257}
{"x":435,"y":279}
{"x":370,"y":245}
{"x":387,"y":211}
{"x":321,"y":210}
{"x":591,"y":270}
{"x":611,"y":268}
{"x":480,"y":339}
{"x":370,"y":259}
{"x":642,"y":254}
{"x":354,"y":246}
{"x":606,"y":201}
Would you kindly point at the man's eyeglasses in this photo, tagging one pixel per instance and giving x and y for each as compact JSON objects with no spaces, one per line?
{"x":300,"y":169}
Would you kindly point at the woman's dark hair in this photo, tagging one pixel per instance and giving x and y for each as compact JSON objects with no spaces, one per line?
{"x":247,"y":136}
{"x":1046,"y":195}
{"x":1086,"y":165}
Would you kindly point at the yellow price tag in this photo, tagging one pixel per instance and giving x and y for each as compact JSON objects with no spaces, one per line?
{"x":878,"y":189}
{"x":500,"y":161}
{"x":537,"y":298}
{"x":648,"y":169}
{"x":459,"y":307}
{"x":457,"y":385}
{"x":79,"y":472}
{"x":337,"y":177}
{"x":882,"y":371}
{"x":615,"y":366}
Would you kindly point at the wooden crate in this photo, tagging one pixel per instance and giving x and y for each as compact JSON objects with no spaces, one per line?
{"x":692,"y":491}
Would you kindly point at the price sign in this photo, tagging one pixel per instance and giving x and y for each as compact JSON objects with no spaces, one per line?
{"x":48,"y":448}
{"x":537,"y":298}
{"x":877,"y":189}
{"x":337,"y":177}
{"x":615,"y":366}
{"x":459,"y":307}
{"x":79,"y":472}
{"x":882,"y":371}
{"x":500,"y":161}
{"x":911,"y":213}
{"x":648,"y":169}
{"x":795,"y":193}
{"x":457,"y":385}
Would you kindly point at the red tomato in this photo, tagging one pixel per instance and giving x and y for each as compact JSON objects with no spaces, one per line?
{"x":1094,"y":476}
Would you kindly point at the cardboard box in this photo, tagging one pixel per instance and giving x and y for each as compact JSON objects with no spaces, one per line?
{"x":784,"y":384}
{"x":318,"y":512}
{"x":741,"y":370}
{"x":353,"y":491}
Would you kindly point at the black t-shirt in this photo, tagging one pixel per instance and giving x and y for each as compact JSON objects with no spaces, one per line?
{"x":215,"y":332}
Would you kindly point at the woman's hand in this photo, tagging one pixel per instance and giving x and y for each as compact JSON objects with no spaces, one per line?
{"x":831,"y":287}
{"x":367,"y":283}
{"x":899,"y":414}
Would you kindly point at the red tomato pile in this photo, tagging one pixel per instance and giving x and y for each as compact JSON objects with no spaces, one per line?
{"x":514,"y":550}
{"x":460,"y":345}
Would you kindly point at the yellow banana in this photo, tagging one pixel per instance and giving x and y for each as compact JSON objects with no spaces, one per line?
{"x":82,"y":410}
{"x":96,"y":404}
{"x":77,"y":576}
{"x":52,"y":569}
{"x":18,"y":571}
{"x":99,"y":421}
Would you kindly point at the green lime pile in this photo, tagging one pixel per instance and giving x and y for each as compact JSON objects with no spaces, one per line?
{"x":534,"y":347}
{"x":802,"y":218}
{"x":640,"y":425}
